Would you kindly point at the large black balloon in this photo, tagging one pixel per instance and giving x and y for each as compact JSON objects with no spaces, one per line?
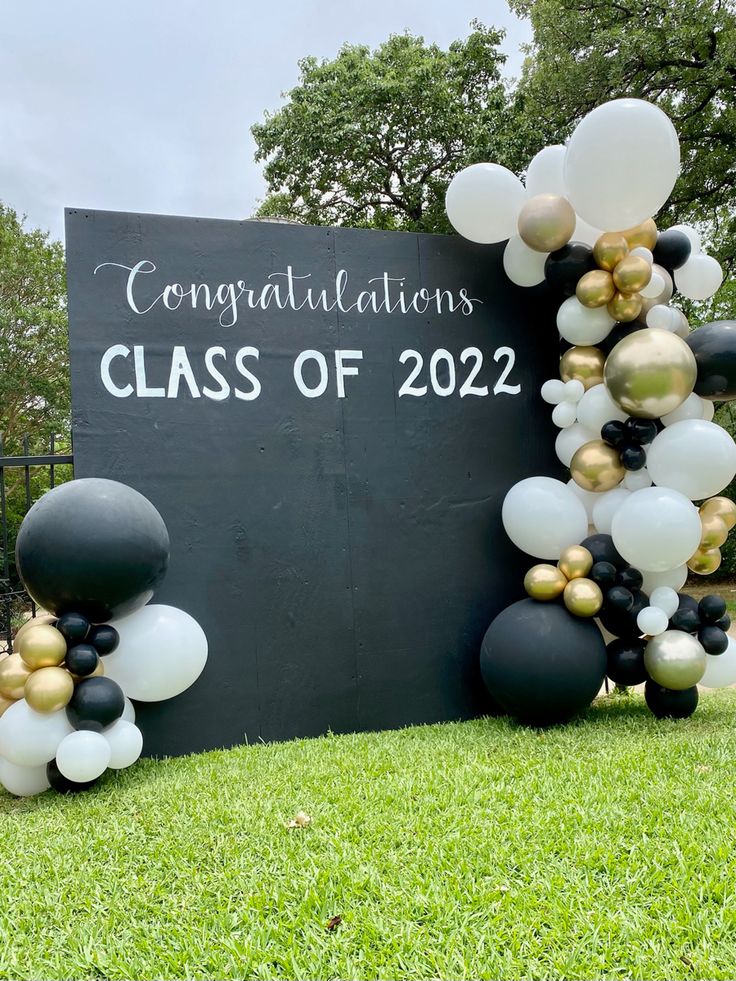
{"x":668,"y":704}
{"x":622,"y":622}
{"x":714,"y":347}
{"x":541,"y":663}
{"x":62,"y":784}
{"x":618,"y":332}
{"x":602,"y":549}
{"x":672,"y":249}
{"x":563,"y":268}
{"x":95,"y":704}
{"x":92,"y":546}
{"x":626,"y":662}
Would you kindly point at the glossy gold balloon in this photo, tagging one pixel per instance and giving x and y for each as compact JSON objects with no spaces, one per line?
{"x":575,"y":562}
{"x":42,"y":646}
{"x":49,"y":689}
{"x":705,"y":561}
{"x":546,"y":222}
{"x":632,"y":274}
{"x":5,"y":704}
{"x":644,"y":234}
{"x":45,"y":618}
{"x":544,"y":582}
{"x":715,"y":531}
{"x":650,"y":373}
{"x":583,"y":364}
{"x":595,"y":288}
{"x":609,"y":250}
{"x":583,"y":597}
{"x":723,"y":507}
{"x":596,"y":466}
{"x":675,"y":660}
{"x":624,"y":307}
{"x":14,"y":672}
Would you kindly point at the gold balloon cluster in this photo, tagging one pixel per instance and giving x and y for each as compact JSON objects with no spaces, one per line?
{"x":717,"y":518}
{"x":36,"y":670}
{"x":581,"y":595}
{"x":620,"y":276}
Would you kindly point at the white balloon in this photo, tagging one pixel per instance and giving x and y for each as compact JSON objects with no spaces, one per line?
{"x":596,"y":408}
{"x":635,"y":480}
{"x":553,"y":391}
{"x":161,"y":652}
{"x":574,"y":390}
{"x":700,"y":277}
{"x":581,"y":325}
{"x":695,"y":457}
{"x":570,"y":440}
{"x":542,"y":517}
{"x":666,"y":599}
{"x":709,"y":409}
{"x":564,"y":415}
{"x":522,"y":265}
{"x":587,"y":498}
{"x":483,"y":202}
{"x":656,"y":529}
{"x":128,"y":711}
{"x":651,"y":620}
{"x":635,"y":145}
{"x":30,"y":738}
{"x":23,"y":781}
{"x":586,"y":233}
{"x":654,"y":287}
{"x":692,"y":234}
{"x":644,"y":253}
{"x":125,"y":741}
{"x":691,"y":408}
{"x":606,"y":506}
{"x":674,"y":578}
{"x":83,"y":755}
{"x":720,"y":669}
{"x":663,"y":317}
{"x":544,"y":173}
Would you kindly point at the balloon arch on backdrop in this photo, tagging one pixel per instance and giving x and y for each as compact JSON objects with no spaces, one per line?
{"x":634,"y":406}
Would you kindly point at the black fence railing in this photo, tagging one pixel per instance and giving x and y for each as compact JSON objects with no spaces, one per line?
{"x":23,"y":479}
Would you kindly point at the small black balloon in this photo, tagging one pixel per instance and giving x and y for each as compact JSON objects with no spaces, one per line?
{"x":714,"y":347}
{"x":602,"y":549}
{"x":95,"y":704}
{"x":641,"y":431}
{"x":82,"y":659}
{"x":724,"y":623}
{"x":104,"y":638}
{"x":668,"y":704}
{"x":711,"y":608}
{"x":62,"y":784}
{"x":687,"y":602}
{"x":622,"y":623}
{"x":686,"y":620}
{"x":631,"y":578}
{"x":613,"y":433}
{"x":619,"y":598}
{"x":633,"y":457}
{"x":712,"y":639}
{"x":603,"y":573}
{"x":73,"y":626}
{"x":672,"y":249}
{"x":563,"y":268}
{"x":625,"y":662}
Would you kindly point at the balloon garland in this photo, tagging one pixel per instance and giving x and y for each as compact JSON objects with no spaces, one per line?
{"x":634,"y":406}
{"x":90,"y":552}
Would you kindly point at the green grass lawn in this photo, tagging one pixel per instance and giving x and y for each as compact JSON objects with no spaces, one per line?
{"x":604,"y":849}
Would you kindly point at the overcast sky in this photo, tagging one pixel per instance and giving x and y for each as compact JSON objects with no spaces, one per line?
{"x":147,"y":105}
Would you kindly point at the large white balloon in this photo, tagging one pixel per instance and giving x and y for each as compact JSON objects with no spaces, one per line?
{"x":83,"y":755}
{"x":582,"y":325}
{"x":606,"y":505}
{"x":596,"y":408}
{"x":632,"y":143}
{"x":30,"y":738}
{"x":125,"y":741}
{"x":162,"y":651}
{"x":544,"y":173}
{"x":695,"y":457}
{"x":128,"y":711}
{"x":483,"y":202}
{"x":700,"y":277}
{"x":570,"y":440}
{"x":720,"y":669}
{"x":522,"y":265}
{"x":542,"y":516}
{"x":656,"y":529}
{"x":672,"y":578}
{"x":586,"y":233}
{"x":23,"y":781}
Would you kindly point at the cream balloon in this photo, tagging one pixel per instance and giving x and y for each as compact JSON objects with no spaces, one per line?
{"x":606,"y":506}
{"x":542,"y":517}
{"x":483,"y":202}
{"x":570,"y":440}
{"x":23,"y":781}
{"x":695,"y":457}
{"x":596,"y":408}
{"x":544,"y":173}
{"x":522,"y":265}
{"x":656,"y":529}
{"x":30,"y":738}
{"x":583,"y":326}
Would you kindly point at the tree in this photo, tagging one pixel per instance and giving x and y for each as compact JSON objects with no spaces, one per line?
{"x":372,"y":138}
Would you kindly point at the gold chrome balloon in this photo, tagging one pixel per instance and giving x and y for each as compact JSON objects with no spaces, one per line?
{"x":5,"y":704}
{"x":705,"y":561}
{"x":544,"y":582}
{"x":14,"y":672}
{"x":624,"y":307}
{"x":650,"y":373}
{"x":723,"y":507}
{"x":595,"y":288}
{"x":644,"y":234}
{"x":675,"y":660}
{"x":42,"y":646}
{"x":33,"y":622}
{"x":583,"y":364}
{"x":609,"y":250}
{"x":575,"y":562}
{"x":632,"y":274}
{"x":546,"y":222}
{"x":715,"y":531}
{"x":597,"y":467}
{"x":49,"y":689}
{"x":583,"y":597}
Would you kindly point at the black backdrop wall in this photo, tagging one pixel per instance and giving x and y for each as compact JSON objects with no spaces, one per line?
{"x":335,"y":518}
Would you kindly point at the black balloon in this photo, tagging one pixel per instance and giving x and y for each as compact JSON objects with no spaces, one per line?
{"x":602,"y":549}
{"x":621,"y":622}
{"x":633,"y":457}
{"x":724,"y":623}
{"x":626,"y":662}
{"x":73,"y":626}
{"x":714,"y":347}
{"x":640,"y":431}
{"x":672,"y":249}
{"x":563,"y":268}
{"x":668,"y":704}
{"x":630,"y":577}
{"x":619,"y":598}
{"x":92,"y":546}
{"x":104,"y":638}
{"x":541,"y":663}
{"x":95,"y":704}
{"x":712,"y":639}
{"x":603,"y":573}
{"x":613,"y":433}
{"x":686,"y":620}
{"x":711,"y":608}
{"x":617,"y":333}
{"x":82,"y":659}
{"x":62,"y":784}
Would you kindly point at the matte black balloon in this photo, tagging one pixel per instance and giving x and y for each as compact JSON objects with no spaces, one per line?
{"x":62,"y":784}
{"x":712,"y":639}
{"x":619,"y":598}
{"x":82,"y":659}
{"x":563,"y":268}
{"x":617,"y":333}
{"x":672,"y":249}
{"x":711,"y":608}
{"x":633,"y":457}
{"x":613,"y":433}
{"x":625,"y":662}
{"x":620,"y":622}
{"x":92,"y":546}
{"x":640,"y":431}
{"x":631,"y":578}
{"x":104,"y":638}
{"x":714,"y":347}
{"x":686,"y":620}
{"x":73,"y":626}
{"x":603,"y":573}
{"x":724,"y":623}
{"x":95,"y":704}
{"x":668,"y":704}
{"x":687,"y":602}
{"x":541,"y":663}
{"x":602,"y":549}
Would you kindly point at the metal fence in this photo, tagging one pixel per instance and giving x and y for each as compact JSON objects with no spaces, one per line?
{"x":22,"y":480}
